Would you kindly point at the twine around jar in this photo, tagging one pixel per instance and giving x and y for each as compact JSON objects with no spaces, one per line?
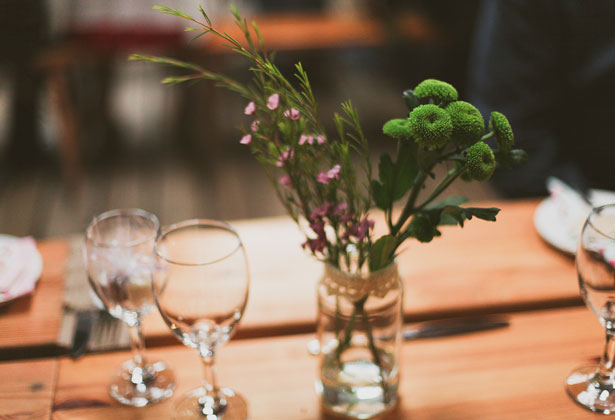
{"x":355,"y":286}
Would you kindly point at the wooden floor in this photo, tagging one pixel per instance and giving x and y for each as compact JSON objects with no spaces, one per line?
{"x":37,"y":202}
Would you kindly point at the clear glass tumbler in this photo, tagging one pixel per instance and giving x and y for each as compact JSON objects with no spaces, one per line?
{"x":593,"y":386}
{"x":119,"y":256}
{"x":201,"y":289}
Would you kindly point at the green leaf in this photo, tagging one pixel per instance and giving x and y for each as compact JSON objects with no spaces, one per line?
{"x":381,"y":198}
{"x":406,"y":170}
{"x":381,"y":252}
{"x":410,"y":100}
{"x":453,"y":200}
{"x":488,"y":214}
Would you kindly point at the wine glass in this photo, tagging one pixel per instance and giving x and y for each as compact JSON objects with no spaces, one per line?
{"x":593,"y":386}
{"x":119,"y":255}
{"x":203,"y":271}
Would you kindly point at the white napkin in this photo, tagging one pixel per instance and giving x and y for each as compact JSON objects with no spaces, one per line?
{"x":20,"y":267}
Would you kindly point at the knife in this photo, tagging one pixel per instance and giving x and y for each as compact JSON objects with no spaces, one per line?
{"x":442,"y":328}
{"x":82,"y":332}
{"x":449,"y":327}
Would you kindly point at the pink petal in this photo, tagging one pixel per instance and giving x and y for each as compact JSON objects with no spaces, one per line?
{"x":247,"y":139}
{"x":285,"y":181}
{"x":250,"y":108}
{"x":255,"y":125}
{"x":322,"y":178}
{"x":273,"y":101}
{"x":292,"y":113}
{"x":334,"y":173}
{"x":320,"y":139}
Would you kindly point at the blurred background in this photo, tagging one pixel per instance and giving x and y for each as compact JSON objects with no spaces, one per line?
{"x":83,"y":130}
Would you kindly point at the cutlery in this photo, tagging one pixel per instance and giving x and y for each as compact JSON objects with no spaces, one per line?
{"x":449,"y":327}
{"x":441,"y":328}
{"x":82,"y":332}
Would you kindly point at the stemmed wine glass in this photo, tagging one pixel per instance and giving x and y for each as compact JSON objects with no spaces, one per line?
{"x":593,"y":386}
{"x":119,"y":255}
{"x":203,"y":272}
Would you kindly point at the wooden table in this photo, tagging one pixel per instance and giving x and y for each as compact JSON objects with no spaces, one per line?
{"x":483,"y":268}
{"x":507,"y":374}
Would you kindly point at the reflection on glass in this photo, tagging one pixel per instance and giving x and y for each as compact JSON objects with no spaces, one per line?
{"x":592,"y":386}
{"x":201,"y":289}
{"x":120,"y":260}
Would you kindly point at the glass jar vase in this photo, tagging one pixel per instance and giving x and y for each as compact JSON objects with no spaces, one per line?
{"x":359,"y":330}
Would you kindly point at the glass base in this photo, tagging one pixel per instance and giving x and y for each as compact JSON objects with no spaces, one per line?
{"x":198,"y":405}
{"x":587,"y":388}
{"x":138,"y":387}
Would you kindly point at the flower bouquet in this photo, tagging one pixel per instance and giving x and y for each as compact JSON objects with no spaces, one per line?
{"x":327,"y":185}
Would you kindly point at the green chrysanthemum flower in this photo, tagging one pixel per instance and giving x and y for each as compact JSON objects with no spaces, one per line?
{"x":468,"y":123}
{"x":397,"y":128}
{"x":422,"y":228}
{"x":440,"y":92}
{"x":431,"y":126}
{"x":498,"y":123}
{"x":480,"y":161}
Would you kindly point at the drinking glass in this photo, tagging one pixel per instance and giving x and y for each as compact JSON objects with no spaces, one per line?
{"x":203,"y":272}
{"x":592,"y":386}
{"x":119,"y":255}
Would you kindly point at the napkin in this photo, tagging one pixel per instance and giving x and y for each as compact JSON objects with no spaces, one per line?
{"x":571,"y":207}
{"x":20,"y":267}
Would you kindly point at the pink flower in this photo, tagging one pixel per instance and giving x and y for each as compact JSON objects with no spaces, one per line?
{"x":250,"y":108}
{"x":315,"y":245}
{"x":288,"y":154}
{"x":341,"y":208}
{"x":273,"y":101}
{"x":254,"y":126}
{"x":334,"y":173}
{"x":306,"y":139}
{"x":322,"y":178}
{"x":292,"y":113}
{"x":247,"y":139}
{"x":321,"y":211}
{"x":320,"y":139}
{"x":285,"y":181}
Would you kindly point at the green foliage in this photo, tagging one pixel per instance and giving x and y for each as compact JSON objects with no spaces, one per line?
{"x":430,"y":126}
{"x":395,"y":178}
{"x":468,"y":123}
{"x":480,"y":161}
{"x":381,"y":252}
{"x":316,"y":176}
{"x":410,"y":99}
{"x":498,"y":123}
{"x":397,"y":128}
{"x":437,"y":91}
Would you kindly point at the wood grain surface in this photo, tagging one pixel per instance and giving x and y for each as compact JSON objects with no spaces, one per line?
{"x":27,"y":389}
{"x":34,"y":320}
{"x":507,"y":374}
{"x":483,"y":268}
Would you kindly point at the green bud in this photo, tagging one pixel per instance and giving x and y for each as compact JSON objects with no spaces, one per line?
{"x":440,"y":92}
{"x":480,"y":161}
{"x":468,"y":123}
{"x":431,"y":126}
{"x":422,"y":229}
{"x":397,"y":128}
{"x":498,"y":123}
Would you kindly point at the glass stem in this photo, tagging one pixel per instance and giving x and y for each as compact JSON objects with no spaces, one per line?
{"x":213,"y":402}
{"x":138,"y":344}
{"x":607,"y":362}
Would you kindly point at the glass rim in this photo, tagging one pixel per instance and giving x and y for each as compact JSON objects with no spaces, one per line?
{"x":596,"y":211}
{"x":219,"y":224}
{"x":122,"y":212}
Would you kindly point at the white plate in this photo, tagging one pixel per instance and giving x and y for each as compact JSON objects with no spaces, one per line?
{"x":563,"y":232}
{"x":36,"y":268}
